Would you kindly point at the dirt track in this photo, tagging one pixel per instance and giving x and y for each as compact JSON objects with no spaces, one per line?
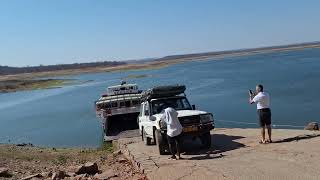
{"x":235,"y":154}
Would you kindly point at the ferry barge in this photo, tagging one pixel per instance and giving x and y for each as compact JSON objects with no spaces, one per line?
{"x":118,"y":109}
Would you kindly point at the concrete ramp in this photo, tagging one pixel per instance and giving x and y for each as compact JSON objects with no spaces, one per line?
{"x":121,"y":135}
{"x":235,"y":155}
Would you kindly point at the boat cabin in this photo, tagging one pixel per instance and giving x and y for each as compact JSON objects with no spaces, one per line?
{"x":119,"y":101}
{"x":122,"y":89}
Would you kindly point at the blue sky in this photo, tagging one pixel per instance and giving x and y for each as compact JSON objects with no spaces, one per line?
{"x":45,"y":32}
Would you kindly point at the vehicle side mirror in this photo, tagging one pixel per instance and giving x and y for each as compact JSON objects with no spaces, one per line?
{"x":194,"y":107}
{"x":152,"y":118}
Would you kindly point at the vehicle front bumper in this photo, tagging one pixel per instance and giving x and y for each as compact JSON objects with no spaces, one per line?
{"x":201,"y":129}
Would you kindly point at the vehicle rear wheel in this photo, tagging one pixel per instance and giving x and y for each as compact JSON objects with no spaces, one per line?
{"x":160,"y":142}
{"x":147,"y":140}
{"x":206,"y":140}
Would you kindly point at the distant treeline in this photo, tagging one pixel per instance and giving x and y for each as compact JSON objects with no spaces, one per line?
{"x":195,"y":55}
{"x":6,"y":70}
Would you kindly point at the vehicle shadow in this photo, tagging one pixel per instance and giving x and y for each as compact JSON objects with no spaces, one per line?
{"x":219,"y":143}
{"x":297,"y":138}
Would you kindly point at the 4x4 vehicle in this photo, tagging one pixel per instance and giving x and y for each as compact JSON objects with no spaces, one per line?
{"x":152,"y":129}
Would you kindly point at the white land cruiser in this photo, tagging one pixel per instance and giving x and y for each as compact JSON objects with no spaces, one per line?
{"x":152,"y":129}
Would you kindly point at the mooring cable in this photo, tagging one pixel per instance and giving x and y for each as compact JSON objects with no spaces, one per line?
{"x":249,"y":123}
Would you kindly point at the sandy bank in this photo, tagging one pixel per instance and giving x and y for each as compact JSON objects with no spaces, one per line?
{"x":31,"y":84}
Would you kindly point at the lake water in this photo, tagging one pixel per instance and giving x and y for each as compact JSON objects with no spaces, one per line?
{"x":65,"y":117}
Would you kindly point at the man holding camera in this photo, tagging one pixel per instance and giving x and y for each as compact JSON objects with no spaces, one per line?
{"x":262,"y":99}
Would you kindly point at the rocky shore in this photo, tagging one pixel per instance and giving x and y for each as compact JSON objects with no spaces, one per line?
{"x":27,"y":162}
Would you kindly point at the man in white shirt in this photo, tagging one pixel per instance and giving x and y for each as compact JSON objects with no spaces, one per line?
{"x":174,"y":129}
{"x":262,"y":99}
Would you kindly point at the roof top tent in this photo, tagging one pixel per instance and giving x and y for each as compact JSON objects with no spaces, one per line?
{"x":118,"y":109}
{"x":163,"y":91}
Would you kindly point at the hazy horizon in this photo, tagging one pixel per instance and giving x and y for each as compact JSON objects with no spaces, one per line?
{"x":63,"y":32}
{"x":151,"y":58}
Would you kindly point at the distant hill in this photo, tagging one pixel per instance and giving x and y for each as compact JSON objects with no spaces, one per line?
{"x":6,"y":70}
{"x":137,"y":61}
{"x":251,"y":50}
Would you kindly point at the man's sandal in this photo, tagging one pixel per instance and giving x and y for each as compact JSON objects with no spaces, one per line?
{"x":262,"y":142}
{"x":268,"y":141}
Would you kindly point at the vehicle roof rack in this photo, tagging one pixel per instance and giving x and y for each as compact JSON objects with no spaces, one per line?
{"x":163,"y":91}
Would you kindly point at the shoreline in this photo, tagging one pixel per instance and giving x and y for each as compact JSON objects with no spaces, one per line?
{"x":109,"y":146}
{"x":127,"y":158}
{"x":14,"y":85}
{"x":149,"y":65}
{"x":153,"y":64}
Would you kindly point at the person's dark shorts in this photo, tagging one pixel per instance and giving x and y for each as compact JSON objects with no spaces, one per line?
{"x":173,"y":139}
{"x":264,"y":117}
{"x":174,"y":143}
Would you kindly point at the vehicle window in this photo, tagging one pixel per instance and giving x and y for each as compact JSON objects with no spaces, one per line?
{"x":185,"y":103}
{"x":146,"y":110}
{"x":176,"y":103}
{"x":114,"y":104}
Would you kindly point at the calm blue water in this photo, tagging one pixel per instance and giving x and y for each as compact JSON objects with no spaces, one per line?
{"x":65,"y":117}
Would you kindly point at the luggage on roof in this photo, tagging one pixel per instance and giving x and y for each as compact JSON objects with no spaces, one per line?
{"x":163,"y":91}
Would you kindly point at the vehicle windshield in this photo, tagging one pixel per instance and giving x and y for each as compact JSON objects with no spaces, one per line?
{"x":177,"y":103}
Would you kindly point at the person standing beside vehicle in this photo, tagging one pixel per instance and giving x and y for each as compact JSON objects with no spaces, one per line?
{"x":174,"y":130}
{"x":262,"y":99}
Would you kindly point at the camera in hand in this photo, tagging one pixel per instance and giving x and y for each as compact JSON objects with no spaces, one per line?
{"x":252,"y":94}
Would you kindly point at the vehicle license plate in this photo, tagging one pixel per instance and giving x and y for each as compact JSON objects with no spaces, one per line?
{"x":190,"y":129}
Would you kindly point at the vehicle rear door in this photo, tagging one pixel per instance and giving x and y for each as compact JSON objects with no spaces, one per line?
{"x":141,"y":118}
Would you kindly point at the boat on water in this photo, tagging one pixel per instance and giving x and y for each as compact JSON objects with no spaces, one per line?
{"x":118,"y":109}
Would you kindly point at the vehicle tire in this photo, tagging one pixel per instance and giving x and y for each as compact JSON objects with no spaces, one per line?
{"x":206,"y":140}
{"x":160,"y":142}
{"x":147,"y":140}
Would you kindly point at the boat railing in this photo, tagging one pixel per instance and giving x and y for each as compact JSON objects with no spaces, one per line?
{"x":121,"y":96}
